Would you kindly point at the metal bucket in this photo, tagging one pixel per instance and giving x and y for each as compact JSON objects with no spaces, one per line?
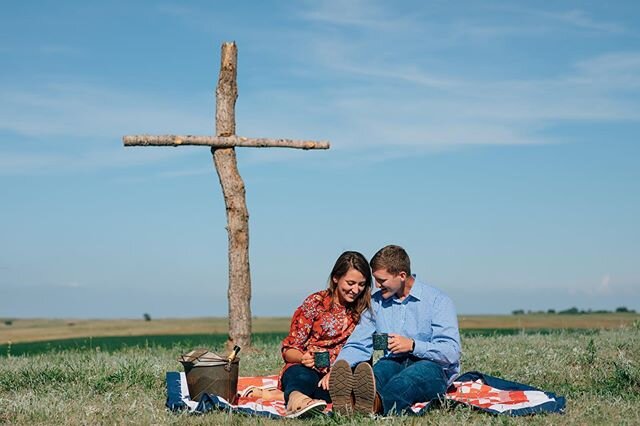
{"x":220,"y":380}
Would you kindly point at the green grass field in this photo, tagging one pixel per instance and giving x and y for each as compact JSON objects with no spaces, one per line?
{"x":32,"y":330}
{"x":185,"y":342}
{"x":121,"y":380}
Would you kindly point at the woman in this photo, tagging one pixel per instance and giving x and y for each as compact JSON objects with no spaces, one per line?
{"x":323,"y":322}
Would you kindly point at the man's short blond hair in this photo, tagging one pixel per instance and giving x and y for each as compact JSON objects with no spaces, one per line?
{"x":392,"y":258}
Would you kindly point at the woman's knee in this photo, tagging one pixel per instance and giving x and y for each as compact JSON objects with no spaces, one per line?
{"x":300,"y":378}
{"x":299,"y":371}
{"x":299,"y":375}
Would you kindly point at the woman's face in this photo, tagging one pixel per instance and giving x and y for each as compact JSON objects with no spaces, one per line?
{"x":350,"y":285}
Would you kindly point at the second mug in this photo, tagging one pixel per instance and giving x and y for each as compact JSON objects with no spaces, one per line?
{"x":380,"y":341}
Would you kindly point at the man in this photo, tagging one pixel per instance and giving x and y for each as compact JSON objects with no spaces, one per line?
{"x":423,"y":353}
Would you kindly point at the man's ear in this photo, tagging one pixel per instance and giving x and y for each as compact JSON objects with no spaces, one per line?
{"x":402,"y":275}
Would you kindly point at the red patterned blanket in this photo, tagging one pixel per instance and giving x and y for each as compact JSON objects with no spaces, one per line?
{"x":474,"y":389}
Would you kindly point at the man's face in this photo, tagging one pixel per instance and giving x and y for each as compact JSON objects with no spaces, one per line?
{"x":388,"y":284}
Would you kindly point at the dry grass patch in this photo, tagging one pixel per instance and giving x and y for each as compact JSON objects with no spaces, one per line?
{"x":31,"y":330}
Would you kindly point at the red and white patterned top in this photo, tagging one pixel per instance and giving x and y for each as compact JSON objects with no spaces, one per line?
{"x":319,"y":324}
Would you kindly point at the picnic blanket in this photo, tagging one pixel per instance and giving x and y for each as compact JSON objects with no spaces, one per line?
{"x":473,"y":389}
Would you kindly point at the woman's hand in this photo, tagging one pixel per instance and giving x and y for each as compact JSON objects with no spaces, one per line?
{"x":324,"y":382}
{"x":307,"y":359}
{"x":400,"y":344}
{"x":295,"y":356}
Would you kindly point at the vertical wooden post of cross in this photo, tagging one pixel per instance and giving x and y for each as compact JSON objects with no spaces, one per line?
{"x":224,"y":158}
{"x":239,"y":292}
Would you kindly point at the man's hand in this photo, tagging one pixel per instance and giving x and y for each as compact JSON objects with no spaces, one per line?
{"x":307,"y":359}
{"x":324,"y":382}
{"x":399,"y":344}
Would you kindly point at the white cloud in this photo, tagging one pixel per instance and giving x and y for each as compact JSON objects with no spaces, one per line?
{"x":365,"y":14}
{"x":91,"y":159}
{"x":580,"y":19}
{"x":426,"y":111}
{"x":15,"y":163}
{"x":387,"y":94}
{"x":430,"y":109}
{"x":605,"y":285}
{"x":615,"y":70}
{"x":544,"y":22}
{"x":465,"y":31}
{"x":69,"y":109}
{"x":74,"y":127}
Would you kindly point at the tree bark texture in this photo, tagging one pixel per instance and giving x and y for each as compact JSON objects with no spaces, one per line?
{"x":233,"y":190}
{"x":220,"y":142}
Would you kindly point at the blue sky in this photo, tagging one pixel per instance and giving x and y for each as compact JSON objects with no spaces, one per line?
{"x":496,"y":141}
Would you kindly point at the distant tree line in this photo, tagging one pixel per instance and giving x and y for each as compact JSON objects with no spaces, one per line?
{"x":574,"y":311}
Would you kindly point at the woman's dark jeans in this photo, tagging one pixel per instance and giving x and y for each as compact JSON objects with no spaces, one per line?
{"x":401,"y":382}
{"x":303,"y":379}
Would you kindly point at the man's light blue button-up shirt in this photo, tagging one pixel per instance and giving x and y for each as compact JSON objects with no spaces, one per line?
{"x":426,"y":315}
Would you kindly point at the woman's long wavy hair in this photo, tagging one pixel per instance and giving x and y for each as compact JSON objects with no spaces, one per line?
{"x":346,"y":261}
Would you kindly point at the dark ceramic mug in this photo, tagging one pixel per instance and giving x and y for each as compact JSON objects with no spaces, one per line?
{"x":321,"y":359}
{"x":380,"y":341}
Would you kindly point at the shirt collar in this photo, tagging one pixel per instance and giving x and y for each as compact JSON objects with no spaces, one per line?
{"x":415,"y":293}
{"x":416,"y":290}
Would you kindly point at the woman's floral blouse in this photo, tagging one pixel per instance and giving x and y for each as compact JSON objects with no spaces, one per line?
{"x":319,"y":324}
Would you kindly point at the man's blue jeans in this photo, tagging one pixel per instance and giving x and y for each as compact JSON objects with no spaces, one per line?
{"x":401,"y":382}
{"x":303,"y":379}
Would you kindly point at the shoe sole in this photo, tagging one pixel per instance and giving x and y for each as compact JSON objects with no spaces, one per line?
{"x":340,"y":387}
{"x":311,"y":410}
{"x":364,"y":388}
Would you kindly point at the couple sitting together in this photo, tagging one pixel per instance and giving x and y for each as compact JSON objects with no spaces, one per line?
{"x":422,"y":353}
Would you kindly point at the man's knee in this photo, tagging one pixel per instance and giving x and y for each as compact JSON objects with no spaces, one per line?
{"x":422,"y":381}
{"x":430,"y":375}
{"x":384,"y":370}
{"x":428,"y":367}
{"x":388,"y":366}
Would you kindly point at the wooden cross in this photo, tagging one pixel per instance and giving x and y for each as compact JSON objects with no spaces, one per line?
{"x":224,"y":157}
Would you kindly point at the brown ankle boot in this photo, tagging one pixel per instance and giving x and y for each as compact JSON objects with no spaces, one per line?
{"x":341,"y":388}
{"x":364,"y":389}
{"x":377,"y":404}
